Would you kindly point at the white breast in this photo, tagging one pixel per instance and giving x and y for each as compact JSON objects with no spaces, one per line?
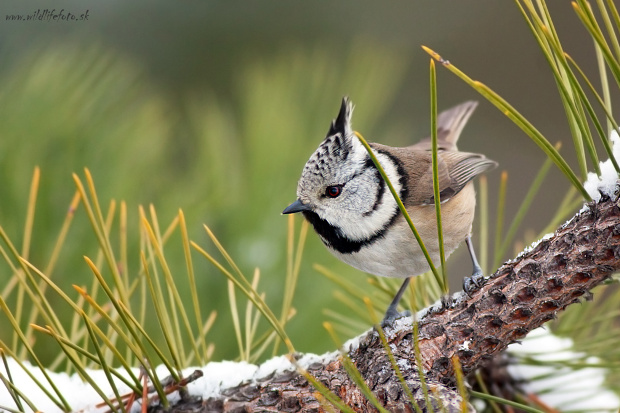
{"x":398,"y":254}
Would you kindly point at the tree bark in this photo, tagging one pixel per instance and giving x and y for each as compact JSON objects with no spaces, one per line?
{"x":520,"y":296}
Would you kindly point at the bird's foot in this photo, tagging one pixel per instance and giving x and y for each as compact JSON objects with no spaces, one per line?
{"x":391,"y":315}
{"x":473,"y":283}
{"x":446,"y":302}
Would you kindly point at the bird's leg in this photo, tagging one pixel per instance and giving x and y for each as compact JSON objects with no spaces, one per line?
{"x":473,"y":283}
{"x":392,"y":312}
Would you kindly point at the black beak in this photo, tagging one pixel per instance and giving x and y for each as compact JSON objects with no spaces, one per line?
{"x":296,"y":206}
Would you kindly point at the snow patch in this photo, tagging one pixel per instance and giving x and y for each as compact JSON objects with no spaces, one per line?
{"x":534,"y":245}
{"x":81,"y":397}
{"x":354,"y":343}
{"x":607,"y":182}
{"x":465,"y":345}
{"x":403,"y":364}
{"x":78,"y":393}
{"x":219,"y":375}
{"x":309,"y":359}
{"x":556,"y":383}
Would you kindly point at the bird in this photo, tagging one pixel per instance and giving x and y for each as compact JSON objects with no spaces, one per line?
{"x":344,"y":197}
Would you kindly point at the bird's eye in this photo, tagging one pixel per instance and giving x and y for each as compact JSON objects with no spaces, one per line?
{"x":333,"y":191}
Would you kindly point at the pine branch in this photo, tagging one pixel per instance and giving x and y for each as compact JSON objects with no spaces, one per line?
{"x":520,"y":296}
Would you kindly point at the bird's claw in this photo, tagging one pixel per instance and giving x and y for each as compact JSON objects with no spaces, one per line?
{"x":473,"y":283}
{"x":392,"y":315}
{"x":446,"y":302}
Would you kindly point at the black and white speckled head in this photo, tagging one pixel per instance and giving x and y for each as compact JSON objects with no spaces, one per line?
{"x":335,"y":159}
{"x":341,"y":191}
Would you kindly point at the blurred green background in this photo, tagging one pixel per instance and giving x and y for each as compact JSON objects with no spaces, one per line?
{"x":214,"y":107}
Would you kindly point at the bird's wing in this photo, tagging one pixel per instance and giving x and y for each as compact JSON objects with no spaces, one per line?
{"x":455,"y":170}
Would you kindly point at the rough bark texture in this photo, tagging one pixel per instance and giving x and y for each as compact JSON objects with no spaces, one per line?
{"x":522,"y":295}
